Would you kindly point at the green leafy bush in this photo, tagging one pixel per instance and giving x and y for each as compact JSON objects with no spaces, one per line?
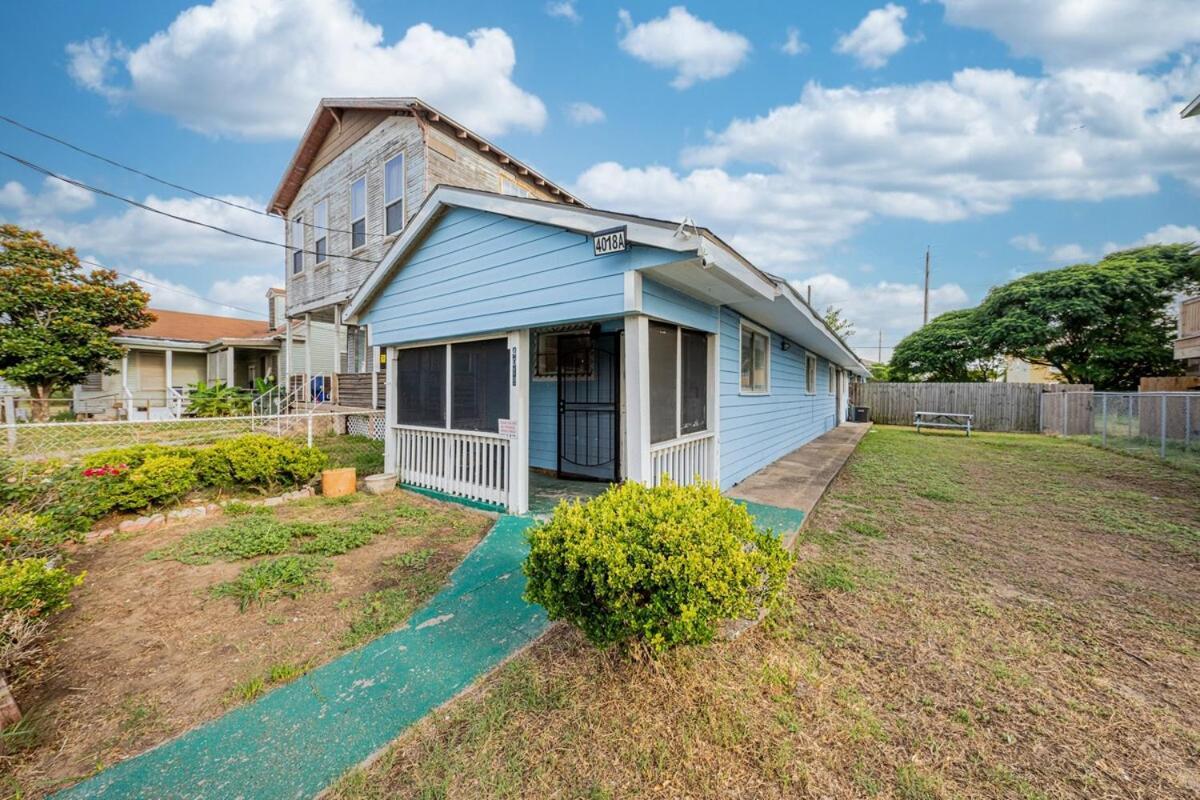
{"x":260,"y":460}
{"x":25,"y":535}
{"x":659,"y":566}
{"x":159,"y":480}
{"x":132,"y":456}
{"x":32,"y":586}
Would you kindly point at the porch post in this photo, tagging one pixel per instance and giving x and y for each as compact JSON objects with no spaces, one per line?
{"x":714,"y":407}
{"x":637,"y":398}
{"x":373,"y":354}
{"x":125,"y":399}
{"x":390,"y":460}
{"x":287,"y":357}
{"x":337,"y":352}
{"x":231,"y":366}
{"x":170,"y":374}
{"x":308,"y":346}
{"x":518,"y":411}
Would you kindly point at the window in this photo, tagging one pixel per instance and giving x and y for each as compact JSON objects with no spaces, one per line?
{"x":513,"y":189}
{"x":297,"y":245}
{"x":755,"y":358}
{"x":421,"y":386}
{"x":479,"y":385}
{"x":578,"y":362}
{"x":810,"y":373}
{"x":678,"y":382}
{"x":321,"y":231}
{"x":358,"y":213}
{"x":693,"y":382}
{"x":393,"y":194}
{"x":664,"y":383}
{"x":832,"y":379}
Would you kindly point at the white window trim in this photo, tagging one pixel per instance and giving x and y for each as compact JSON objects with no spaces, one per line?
{"x":743,"y":324}
{"x":810,"y":373}
{"x":364,"y":217}
{"x":832,"y":379}
{"x":297,"y":220}
{"x":402,"y":200}
{"x":321,"y":231}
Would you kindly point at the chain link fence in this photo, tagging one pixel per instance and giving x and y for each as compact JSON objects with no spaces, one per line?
{"x":350,"y":439}
{"x":1164,"y":425}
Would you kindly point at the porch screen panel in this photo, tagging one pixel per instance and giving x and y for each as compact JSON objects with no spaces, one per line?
{"x":663,"y":381}
{"x":479,"y":385}
{"x":421,"y":386}
{"x":693,"y":384}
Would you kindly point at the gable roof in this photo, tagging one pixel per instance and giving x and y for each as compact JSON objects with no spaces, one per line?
{"x":1192,"y":109}
{"x":328,"y":114}
{"x":188,"y":327}
{"x":742,"y":286}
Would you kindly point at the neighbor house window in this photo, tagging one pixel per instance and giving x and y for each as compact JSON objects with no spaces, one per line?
{"x":513,"y":189}
{"x":810,"y":374}
{"x":393,"y":193}
{"x":755,"y":358}
{"x":358,"y":213}
{"x":678,"y":382}
{"x":321,"y":231}
{"x":297,"y":245}
{"x":421,"y":386}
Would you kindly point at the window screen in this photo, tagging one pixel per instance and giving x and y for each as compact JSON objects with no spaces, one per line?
{"x":693,"y":363}
{"x":755,"y":355}
{"x":479,"y":386}
{"x":393,"y":193}
{"x":421,"y":386}
{"x":663,"y":381}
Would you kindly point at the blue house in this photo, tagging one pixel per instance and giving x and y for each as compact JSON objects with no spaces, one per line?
{"x":525,"y":335}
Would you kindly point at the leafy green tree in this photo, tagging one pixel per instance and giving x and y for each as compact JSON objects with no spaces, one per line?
{"x":881,"y":372}
{"x":58,"y":321}
{"x":1107,"y":324}
{"x":837,"y":323}
{"x":946,"y":350}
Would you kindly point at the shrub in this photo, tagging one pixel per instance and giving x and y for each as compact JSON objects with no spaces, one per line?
{"x":25,"y":535}
{"x":257,"y":459}
{"x":158,"y":481}
{"x":660,"y":566}
{"x":131,"y":456}
{"x":32,"y":586}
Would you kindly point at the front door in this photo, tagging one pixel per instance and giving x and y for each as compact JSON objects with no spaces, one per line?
{"x":589,"y":406}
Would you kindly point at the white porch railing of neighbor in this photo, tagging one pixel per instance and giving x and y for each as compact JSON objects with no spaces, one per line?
{"x":685,"y":460}
{"x":467,"y":464}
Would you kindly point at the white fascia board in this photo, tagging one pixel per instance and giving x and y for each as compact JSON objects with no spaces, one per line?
{"x":160,"y":344}
{"x":853,"y":362}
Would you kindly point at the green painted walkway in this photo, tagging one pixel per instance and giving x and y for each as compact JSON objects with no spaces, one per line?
{"x":297,"y":740}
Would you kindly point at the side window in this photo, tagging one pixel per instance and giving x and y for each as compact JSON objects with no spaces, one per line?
{"x":810,"y":374}
{"x":832,"y":380}
{"x":393,"y":194}
{"x":755,"y":360}
{"x":321,"y":231}
{"x":358,"y":213}
{"x":297,"y":245}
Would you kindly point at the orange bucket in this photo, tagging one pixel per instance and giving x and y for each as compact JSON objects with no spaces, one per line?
{"x":338,"y":482}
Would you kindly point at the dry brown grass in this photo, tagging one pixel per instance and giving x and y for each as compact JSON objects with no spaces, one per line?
{"x":1004,"y":616}
{"x":147,"y":652}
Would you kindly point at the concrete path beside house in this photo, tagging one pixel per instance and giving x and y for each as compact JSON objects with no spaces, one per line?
{"x":297,"y":740}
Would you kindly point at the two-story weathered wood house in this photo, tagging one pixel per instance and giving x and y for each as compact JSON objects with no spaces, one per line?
{"x":362,"y":169}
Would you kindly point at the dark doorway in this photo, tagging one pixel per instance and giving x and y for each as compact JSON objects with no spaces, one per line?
{"x":589,"y":406}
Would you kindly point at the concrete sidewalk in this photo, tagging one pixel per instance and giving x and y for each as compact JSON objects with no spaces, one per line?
{"x":799,"y":479}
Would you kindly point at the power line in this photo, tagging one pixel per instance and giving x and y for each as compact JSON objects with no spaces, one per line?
{"x":104,"y":192}
{"x":134,"y":170}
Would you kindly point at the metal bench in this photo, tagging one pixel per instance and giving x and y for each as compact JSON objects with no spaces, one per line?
{"x":943,"y":419}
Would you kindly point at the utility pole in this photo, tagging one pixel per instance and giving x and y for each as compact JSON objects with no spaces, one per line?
{"x":809,"y":287}
{"x":926,"y":320}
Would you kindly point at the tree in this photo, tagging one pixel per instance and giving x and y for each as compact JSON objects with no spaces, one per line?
{"x":1107,"y":324}
{"x":837,"y":323}
{"x":948,"y":349}
{"x":58,"y":321}
{"x":881,"y":372}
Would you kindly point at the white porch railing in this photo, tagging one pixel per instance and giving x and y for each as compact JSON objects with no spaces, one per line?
{"x":684,"y":460}
{"x":467,"y":464}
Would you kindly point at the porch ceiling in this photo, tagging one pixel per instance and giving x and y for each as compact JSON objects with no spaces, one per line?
{"x":690,"y":277}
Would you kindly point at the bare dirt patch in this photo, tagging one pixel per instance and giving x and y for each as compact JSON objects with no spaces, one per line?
{"x":147,"y":651}
{"x":993,"y":617}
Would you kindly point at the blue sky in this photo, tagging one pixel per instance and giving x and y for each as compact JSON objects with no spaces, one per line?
{"x":830,"y":142}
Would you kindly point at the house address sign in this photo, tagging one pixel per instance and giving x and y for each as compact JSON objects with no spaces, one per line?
{"x":610,"y":241}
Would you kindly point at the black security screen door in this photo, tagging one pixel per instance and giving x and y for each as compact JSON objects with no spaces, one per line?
{"x":589,"y":410}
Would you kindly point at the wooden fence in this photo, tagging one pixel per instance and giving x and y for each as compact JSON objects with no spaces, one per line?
{"x":995,"y":406}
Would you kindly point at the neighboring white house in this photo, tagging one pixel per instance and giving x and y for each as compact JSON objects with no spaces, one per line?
{"x":180,"y":349}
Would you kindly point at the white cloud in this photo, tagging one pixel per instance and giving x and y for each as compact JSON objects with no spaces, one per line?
{"x":1166,"y":234}
{"x":55,"y":197}
{"x":696,"y":49}
{"x":564,"y":9}
{"x":1069,"y":254}
{"x":238,"y":298}
{"x":1104,"y":33}
{"x":793,"y":45}
{"x":888,"y":306}
{"x":256,"y":68}
{"x":584,"y":114}
{"x":877,"y":38}
{"x":1028,"y":242}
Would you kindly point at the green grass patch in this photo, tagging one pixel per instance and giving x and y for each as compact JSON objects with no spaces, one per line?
{"x":240,"y":508}
{"x":413,"y":559}
{"x":864,"y":529}
{"x":826,"y":576}
{"x":275,"y":578}
{"x":257,"y":685}
{"x":256,"y":535}
{"x":914,"y":784}
{"x":360,"y":452}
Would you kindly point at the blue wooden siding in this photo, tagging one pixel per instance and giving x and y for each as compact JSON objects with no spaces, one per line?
{"x":671,"y":305}
{"x":478,"y":272}
{"x":543,"y":423}
{"x":758,"y":429}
